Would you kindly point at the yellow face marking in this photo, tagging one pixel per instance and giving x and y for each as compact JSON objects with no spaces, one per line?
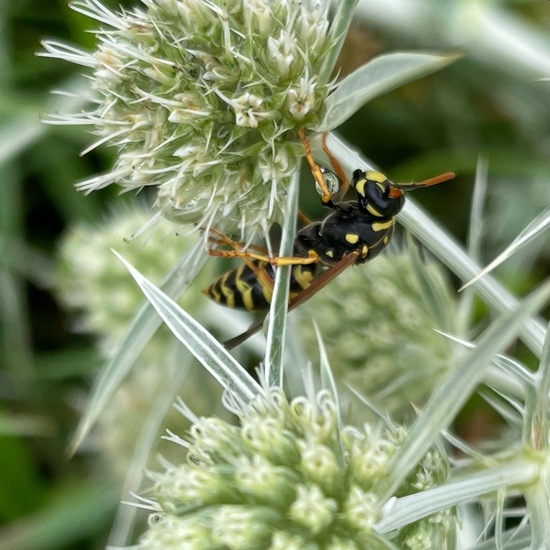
{"x":373,"y":211}
{"x":382,"y":226}
{"x":375,"y":176}
{"x":364,"y":251}
{"x":329,"y":253}
{"x":371,"y":175}
{"x":386,"y":239}
{"x":352,"y":238}
{"x":302,"y":277}
{"x":360,"y":186}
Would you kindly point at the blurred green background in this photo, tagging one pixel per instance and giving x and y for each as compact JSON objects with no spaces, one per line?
{"x":493,"y":103}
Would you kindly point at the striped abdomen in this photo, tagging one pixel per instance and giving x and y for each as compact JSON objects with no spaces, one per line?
{"x":242,"y":289}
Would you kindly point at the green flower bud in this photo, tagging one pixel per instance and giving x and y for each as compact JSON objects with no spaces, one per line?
{"x":297,"y":493}
{"x":378,"y":324}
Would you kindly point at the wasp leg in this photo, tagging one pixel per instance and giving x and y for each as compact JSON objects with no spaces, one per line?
{"x":336,"y":166}
{"x":315,"y":170}
{"x":238,"y":252}
{"x":303,"y":218}
{"x":248,"y":257}
{"x":221,"y":239}
{"x":244,"y":254}
{"x":251,"y":258}
{"x":311,"y":258}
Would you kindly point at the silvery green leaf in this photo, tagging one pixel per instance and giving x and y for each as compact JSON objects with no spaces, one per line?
{"x":276,"y":329}
{"x":533,"y":230}
{"x":410,"y":508}
{"x":206,"y":349}
{"x":377,"y":77}
{"x":459,"y":385}
{"x":143,"y":326}
{"x":341,"y":21}
{"x":447,"y":250}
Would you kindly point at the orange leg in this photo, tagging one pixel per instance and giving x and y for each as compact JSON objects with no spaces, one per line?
{"x":315,"y":170}
{"x":220,"y":238}
{"x":237,"y":251}
{"x":251,"y":258}
{"x":277,"y":260}
{"x":303,"y":218}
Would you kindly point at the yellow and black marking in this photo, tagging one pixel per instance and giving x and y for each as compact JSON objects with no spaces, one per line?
{"x":242,"y":289}
{"x":361,"y":227}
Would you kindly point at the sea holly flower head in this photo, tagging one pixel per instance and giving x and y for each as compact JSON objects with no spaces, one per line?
{"x":93,"y":286}
{"x":394,"y":307}
{"x":202,"y":99}
{"x":286,"y":477}
{"x":92,"y":282}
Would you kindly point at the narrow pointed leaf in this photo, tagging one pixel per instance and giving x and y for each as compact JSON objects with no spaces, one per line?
{"x":448,"y":250}
{"x":329,"y":383}
{"x":537,"y":418}
{"x":276,"y":329}
{"x":206,"y":349}
{"x":379,"y":76}
{"x":533,"y":230}
{"x":140,"y":331}
{"x":543,"y":373}
{"x":126,"y":517}
{"x":341,"y":21}
{"x":539,"y":514}
{"x":412,"y":508}
{"x":477,"y":218}
{"x":144,"y":325}
{"x":457,"y":387}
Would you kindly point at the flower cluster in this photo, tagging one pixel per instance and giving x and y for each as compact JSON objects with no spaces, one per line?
{"x":92,"y":282}
{"x":388,"y":339}
{"x":288,"y":477}
{"x":202,"y":99}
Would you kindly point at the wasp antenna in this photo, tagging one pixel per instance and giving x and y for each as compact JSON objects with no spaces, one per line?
{"x":437,"y":179}
{"x":426,"y":183}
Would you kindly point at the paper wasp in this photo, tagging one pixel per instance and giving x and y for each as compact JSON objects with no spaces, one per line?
{"x":354,"y":232}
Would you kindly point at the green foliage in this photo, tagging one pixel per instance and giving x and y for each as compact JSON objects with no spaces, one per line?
{"x":490,"y":103}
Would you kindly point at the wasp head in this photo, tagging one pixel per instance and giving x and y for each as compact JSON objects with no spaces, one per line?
{"x":376,"y":194}
{"x":380,"y":197}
